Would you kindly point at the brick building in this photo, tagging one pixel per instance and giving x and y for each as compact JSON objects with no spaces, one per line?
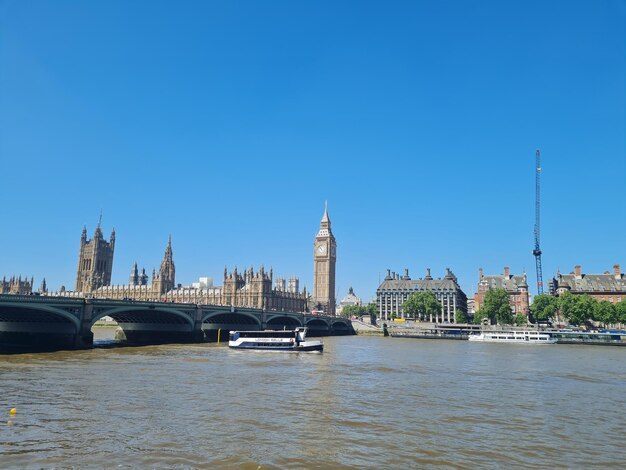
{"x":514,"y":284}
{"x":608,"y":286}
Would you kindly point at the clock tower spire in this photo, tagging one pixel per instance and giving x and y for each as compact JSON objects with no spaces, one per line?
{"x":324,"y":261}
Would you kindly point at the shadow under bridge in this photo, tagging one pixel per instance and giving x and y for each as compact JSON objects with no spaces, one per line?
{"x":151,"y":324}
{"x":216,"y":323}
{"x":37,"y":326}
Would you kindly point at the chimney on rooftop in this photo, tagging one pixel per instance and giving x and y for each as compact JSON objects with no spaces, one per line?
{"x":617,"y":272}
{"x":507,"y":272}
{"x":579,"y":272}
{"x":480,"y":272}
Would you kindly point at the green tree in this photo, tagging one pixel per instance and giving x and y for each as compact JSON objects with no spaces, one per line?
{"x":348,"y":311}
{"x":496,"y":307}
{"x":577,"y":309}
{"x":372,"y":310}
{"x":459,"y":316}
{"x":544,"y":307}
{"x":605,"y":312}
{"x":480,"y":316}
{"x":358,"y":310}
{"x":620,"y":311}
{"x":567,"y":304}
{"x":520,"y":319}
{"x":420,"y":305}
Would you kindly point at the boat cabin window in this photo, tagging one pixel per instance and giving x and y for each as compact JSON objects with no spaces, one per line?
{"x":267,"y":334}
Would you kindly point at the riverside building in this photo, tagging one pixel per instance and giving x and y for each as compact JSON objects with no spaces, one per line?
{"x":247,"y":288}
{"x":515,"y":285}
{"x":396,"y":289}
{"x":608,"y":286}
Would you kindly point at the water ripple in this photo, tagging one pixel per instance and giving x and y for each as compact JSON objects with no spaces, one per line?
{"x":365,"y":403}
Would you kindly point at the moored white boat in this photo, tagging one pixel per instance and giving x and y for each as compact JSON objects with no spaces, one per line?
{"x":514,"y":336}
{"x":275,"y":340}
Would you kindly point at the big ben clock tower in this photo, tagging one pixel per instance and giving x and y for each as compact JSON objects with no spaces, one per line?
{"x":324,"y":260}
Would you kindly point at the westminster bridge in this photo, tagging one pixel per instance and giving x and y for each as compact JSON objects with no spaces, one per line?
{"x":31,"y":322}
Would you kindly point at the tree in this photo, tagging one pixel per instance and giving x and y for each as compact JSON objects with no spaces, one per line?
{"x":459,"y":316}
{"x":605,"y":312}
{"x":567,"y":305}
{"x":520,"y":319}
{"x":496,"y":307}
{"x":345,"y":311}
{"x":359,"y":310}
{"x":620,"y":311}
{"x":544,"y":307}
{"x":584,"y":309}
{"x":577,"y":309}
{"x":372,"y":311}
{"x":419,"y":305}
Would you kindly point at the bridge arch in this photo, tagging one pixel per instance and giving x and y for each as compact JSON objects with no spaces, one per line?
{"x":341,"y":326}
{"x":230,"y":318}
{"x":33,"y":313}
{"x":145,"y":314}
{"x":317,"y":323}
{"x":282,"y":321}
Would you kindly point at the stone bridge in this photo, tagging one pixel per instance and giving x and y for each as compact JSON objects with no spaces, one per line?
{"x":31,"y":322}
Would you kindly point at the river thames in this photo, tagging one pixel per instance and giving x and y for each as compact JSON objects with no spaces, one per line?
{"x":366,"y":402}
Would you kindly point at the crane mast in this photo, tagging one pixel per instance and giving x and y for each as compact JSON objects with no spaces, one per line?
{"x":537,"y":250}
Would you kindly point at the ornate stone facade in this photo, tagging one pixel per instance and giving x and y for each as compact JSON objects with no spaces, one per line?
{"x":163,"y":282}
{"x":17,"y":285}
{"x":324,"y":262}
{"x":137,"y":279}
{"x":255,"y":290}
{"x":95,"y":261}
{"x":247,"y":289}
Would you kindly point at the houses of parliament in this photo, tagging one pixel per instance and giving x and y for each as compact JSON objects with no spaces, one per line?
{"x":247,"y":288}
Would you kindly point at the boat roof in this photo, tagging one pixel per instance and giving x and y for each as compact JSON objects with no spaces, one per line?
{"x":300,"y":328}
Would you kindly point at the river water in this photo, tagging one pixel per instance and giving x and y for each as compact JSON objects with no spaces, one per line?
{"x":366,"y":402}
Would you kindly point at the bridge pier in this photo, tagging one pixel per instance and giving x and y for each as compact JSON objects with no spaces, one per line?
{"x":84,"y":335}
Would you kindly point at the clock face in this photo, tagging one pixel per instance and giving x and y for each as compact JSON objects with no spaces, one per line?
{"x":332,"y":250}
{"x":321,"y":248}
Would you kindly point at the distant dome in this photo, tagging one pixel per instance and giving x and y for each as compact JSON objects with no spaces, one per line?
{"x":350,"y":299}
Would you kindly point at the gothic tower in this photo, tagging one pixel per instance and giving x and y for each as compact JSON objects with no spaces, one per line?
{"x":134,"y":276}
{"x":165,"y":280}
{"x":324,"y":261}
{"x":95,"y":261}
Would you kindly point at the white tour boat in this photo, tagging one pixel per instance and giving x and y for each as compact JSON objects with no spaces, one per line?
{"x":274,"y":340}
{"x":523,"y":337}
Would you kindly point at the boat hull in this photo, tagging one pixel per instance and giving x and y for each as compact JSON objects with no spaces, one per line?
{"x":511,"y":342}
{"x":314,"y":346}
{"x":480,"y":339}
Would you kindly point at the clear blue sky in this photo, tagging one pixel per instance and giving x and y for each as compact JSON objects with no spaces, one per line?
{"x":227,"y":124}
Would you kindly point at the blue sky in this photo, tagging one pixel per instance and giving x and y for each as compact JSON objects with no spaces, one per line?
{"x":227,"y":125}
